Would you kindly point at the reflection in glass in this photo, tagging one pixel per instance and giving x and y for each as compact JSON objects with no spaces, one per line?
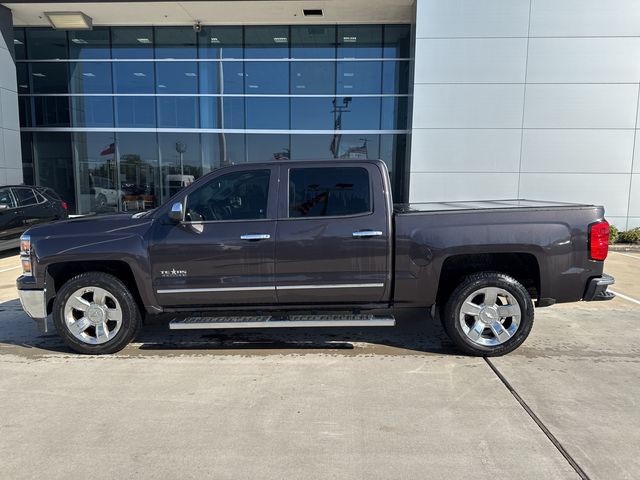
{"x":180,"y":161}
{"x":92,"y":111}
{"x":396,"y":41}
{"x":55,"y":164}
{"x":266,"y":78}
{"x":96,"y":172}
{"x":222,"y":77}
{"x":394,"y":113}
{"x":355,"y":147}
{"x":89,"y":43}
{"x":177,"y":77}
{"x":175,"y":42}
{"x":359,"y":41}
{"x":362,"y":113}
{"x":132,"y":42}
{"x":24,"y":109}
{"x":266,"y":42}
{"x":133,"y":77}
{"x":393,"y":151}
{"x":395,"y":77}
{"x":359,"y":77}
{"x":49,"y":77}
{"x":46,"y":44}
{"x":312,"y":113}
{"x":220,"y":42}
{"x":90,"y":77}
{"x":51,"y":111}
{"x":19,"y":43}
{"x":313,"y":78}
{"x":267,"y":148}
{"x":312,"y":147}
{"x":313,"y":41}
{"x":221,"y":112}
{"x":28,"y":174}
{"x":138,"y":180}
{"x":222,"y":149}
{"x":177,"y":112}
{"x":135,"y":112}
{"x":22,"y":73}
{"x":267,"y":112}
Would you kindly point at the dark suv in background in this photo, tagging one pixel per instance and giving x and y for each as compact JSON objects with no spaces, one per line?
{"x":23,"y":206}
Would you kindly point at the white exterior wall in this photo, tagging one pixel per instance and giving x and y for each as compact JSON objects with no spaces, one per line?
{"x":528,"y":98}
{"x":10,"y":154}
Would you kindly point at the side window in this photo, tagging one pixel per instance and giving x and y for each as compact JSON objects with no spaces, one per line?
{"x":6,"y":198}
{"x":325,"y":192}
{"x":234,"y":196}
{"x":25,"y":196}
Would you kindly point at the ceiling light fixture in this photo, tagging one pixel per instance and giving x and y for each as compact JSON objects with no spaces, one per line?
{"x":189,"y":74}
{"x":39,"y":75}
{"x":88,"y":74}
{"x":139,"y":74}
{"x":215,"y":40}
{"x":17,"y":42}
{"x":79,"y":41}
{"x":350,"y":39}
{"x":69,"y":20}
{"x":280,"y":39}
{"x":143,"y":40}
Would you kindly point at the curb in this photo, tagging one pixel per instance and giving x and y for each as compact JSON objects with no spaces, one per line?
{"x":624,"y":247}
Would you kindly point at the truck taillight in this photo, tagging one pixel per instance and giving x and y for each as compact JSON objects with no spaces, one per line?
{"x":598,"y":240}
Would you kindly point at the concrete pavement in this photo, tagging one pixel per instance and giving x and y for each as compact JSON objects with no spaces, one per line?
{"x":350,"y":403}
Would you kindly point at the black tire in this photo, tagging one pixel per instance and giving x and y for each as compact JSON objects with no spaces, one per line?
{"x":131,"y":317}
{"x":472,"y":283}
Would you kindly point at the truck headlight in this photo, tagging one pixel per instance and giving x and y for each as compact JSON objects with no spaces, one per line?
{"x":25,"y":254}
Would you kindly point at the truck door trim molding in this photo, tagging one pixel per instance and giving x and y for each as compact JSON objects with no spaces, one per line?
{"x":219,"y":289}
{"x":282,"y":287}
{"x":342,"y":285}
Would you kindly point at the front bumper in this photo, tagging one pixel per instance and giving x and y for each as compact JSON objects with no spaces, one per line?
{"x":597,"y":289}
{"x":34,"y":303}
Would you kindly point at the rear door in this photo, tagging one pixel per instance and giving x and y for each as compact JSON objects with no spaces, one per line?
{"x":333,"y":235}
{"x":34,"y":206}
{"x":11,"y":226}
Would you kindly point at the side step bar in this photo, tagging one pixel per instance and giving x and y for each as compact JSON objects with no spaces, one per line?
{"x":268,"y":321}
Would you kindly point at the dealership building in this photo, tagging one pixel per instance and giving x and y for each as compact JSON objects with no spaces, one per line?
{"x":116,"y":105}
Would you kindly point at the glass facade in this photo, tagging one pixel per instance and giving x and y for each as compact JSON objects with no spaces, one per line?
{"x":119,"y":118}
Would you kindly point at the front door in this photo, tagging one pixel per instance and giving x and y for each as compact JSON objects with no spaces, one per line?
{"x":223,"y":253}
{"x":333,"y":242}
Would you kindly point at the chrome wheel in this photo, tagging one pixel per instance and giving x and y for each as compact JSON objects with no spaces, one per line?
{"x":93,"y":315}
{"x":490,"y":316}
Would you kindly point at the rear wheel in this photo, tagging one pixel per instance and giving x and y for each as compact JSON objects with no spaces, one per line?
{"x":488,"y":314}
{"x":95,"y":313}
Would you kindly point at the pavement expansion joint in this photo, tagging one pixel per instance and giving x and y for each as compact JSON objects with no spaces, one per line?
{"x":556,"y":443}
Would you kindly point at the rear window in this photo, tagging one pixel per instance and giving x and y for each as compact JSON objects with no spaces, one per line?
{"x":328,"y":192}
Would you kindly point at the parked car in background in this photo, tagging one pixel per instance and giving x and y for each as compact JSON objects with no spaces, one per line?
{"x":23,"y":206}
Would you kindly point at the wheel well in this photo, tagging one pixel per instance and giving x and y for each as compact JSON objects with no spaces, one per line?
{"x":521,"y":266}
{"x":60,"y":273}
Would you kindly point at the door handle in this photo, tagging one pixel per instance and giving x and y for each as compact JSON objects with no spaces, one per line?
{"x":255,"y":236}
{"x":367,"y":233}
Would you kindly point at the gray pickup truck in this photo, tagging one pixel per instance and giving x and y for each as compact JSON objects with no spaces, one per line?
{"x":312,"y":244}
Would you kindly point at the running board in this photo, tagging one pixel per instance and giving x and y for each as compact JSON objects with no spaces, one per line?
{"x":268,"y":321}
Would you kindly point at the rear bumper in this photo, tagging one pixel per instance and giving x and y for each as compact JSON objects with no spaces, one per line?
{"x":34,"y":303}
{"x":597,"y":289}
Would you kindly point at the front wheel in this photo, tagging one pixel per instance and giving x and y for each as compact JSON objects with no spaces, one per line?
{"x":488,"y":314}
{"x":95,"y":313}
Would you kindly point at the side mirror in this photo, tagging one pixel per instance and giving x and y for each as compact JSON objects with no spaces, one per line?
{"x":176,"y":214}
{"x":4,"y":206}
